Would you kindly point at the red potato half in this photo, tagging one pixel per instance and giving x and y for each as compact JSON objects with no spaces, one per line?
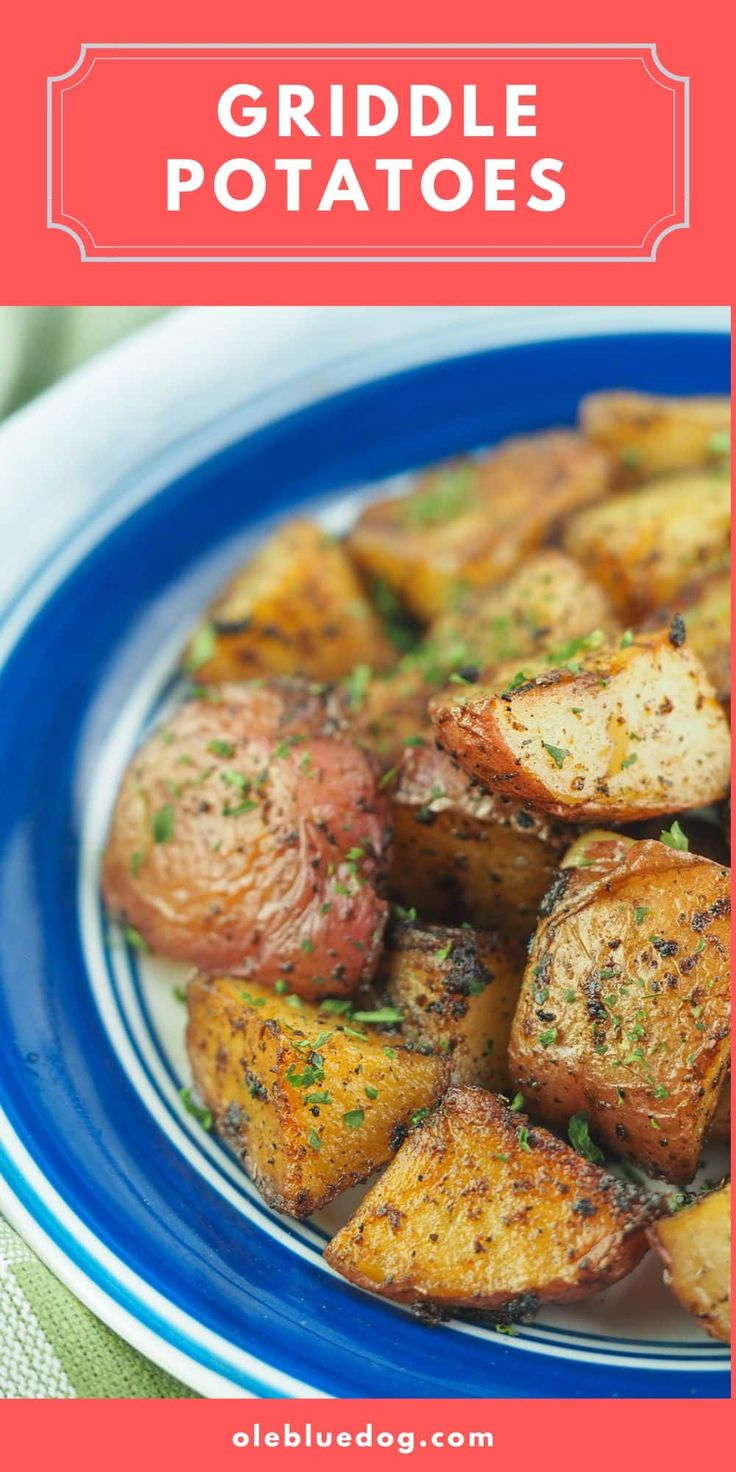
{"x":627,"y":730}
{"x":249,"y":836}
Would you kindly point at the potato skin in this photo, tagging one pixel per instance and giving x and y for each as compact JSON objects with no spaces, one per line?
{"x":643,"y":546}
{"x":472,"y":521}
{"x":274,"y":840}
{"x":651,"y":434}
{"x":705,"y":609}
{"x":628,"y":731}
{"x":296,"y":608}
{"x":463,"y":854}
{"x":480,"y":1211}
{"x":695,"y":1247}
{"x":624,"y":1008}
{"x":280,"y":1080}
{"x":457,"y":990}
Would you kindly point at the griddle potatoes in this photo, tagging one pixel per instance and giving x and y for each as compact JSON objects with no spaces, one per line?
{"x":643,"y":546}
{"x":463,"y":854}
{"x":296,"y":608}
{"x":624,"y":1008}
{"x":310,"y":1101}
{"x":695,"y":1247}
{"x":456,"y":990}
{"x":625,"y":730}
{"x":471,"y":522}
{"x":650,"y":434}
{"x":480,"y":1211}
{"x":249,"y":835}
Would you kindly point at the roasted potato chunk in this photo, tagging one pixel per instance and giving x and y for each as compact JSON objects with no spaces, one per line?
{"x":650,"y":434}
{"x":624,"y":1009}
{"x":456,"y":990}
{"x":250,"y":835}
{"x":309,"y":1107}
{"x":644,"y":546}
{"x":480,"y":1211}
{"x":628,"y":730}
{"x":296,"y":608}
{"x":462,"y":854}
{"x":547,"y":601}
{"x":695,"y":1247}
{"x":471,"y":522}
{"x":705,"y":608}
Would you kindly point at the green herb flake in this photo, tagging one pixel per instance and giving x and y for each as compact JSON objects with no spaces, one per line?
{"x":548,"y":1037}
{"x":356,"y":685}
{"x":640,"y":913}
{"x":517,"y":1103}
{"x":390,"y":1052}
{"x":557,"y":753}
{"x":354,"y":1119}
{"x":629,"y":761}
{"x":136,"y":859}
{"x":221,"y":748}
{"x":522,"y":1136}
{"x":380,"y":1016}
{"x":204,"y":1116}
{"x":579,"y":1137}
{"x":418,"y":1116}
{"x":306,"y":945}
{"x":134,"y":939}
{"x":313,"y":1139}
{"x":178,"y":993}
{"x":370,"y":1091}
{"x":675,"y":838}
{"x":201,"y":648}
{"x":162,"y":824}
{"x":444,"y":951}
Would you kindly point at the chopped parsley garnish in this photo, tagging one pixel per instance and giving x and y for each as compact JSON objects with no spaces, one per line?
{"x":221,"y":748}
{"x":179,"y":993}
{"x":418,"y":1116}
{"x":629,"y":761}
{"x":354,"y":1118}
{"x":675,"y":838}
{"x":235,"y":779}
{"x":626,"y":639}
{"x":557,"y":753}
{"x":517,"y":1103}
{"x":134,"y":939}
{"x":136,"y":859}
{"x":548,"y":1037}
{"x":579,"y":1137}
{"x":356,"y":685}
{"x":201,"y":648}
{"x":370,"y":1091}
{"x":204,"y":1116}
{"x":314,"y":1140}
{"x":444,"y":497}
{"x":522,"y":1136}
{"x":640,"y":913}
{"x":306,"y":945}
{"x":379,"y":1015}
{"x":162,"y":824}
{"x":444,"y":951}
{"x":234,"y":810}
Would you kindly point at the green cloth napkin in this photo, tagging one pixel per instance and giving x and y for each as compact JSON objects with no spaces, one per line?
{"x":51,"y":1347}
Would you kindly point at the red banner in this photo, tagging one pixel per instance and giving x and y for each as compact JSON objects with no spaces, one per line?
{"x":208,"y":153}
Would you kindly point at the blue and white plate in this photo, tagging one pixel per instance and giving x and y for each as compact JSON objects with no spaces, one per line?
{"x":145,"y":1216}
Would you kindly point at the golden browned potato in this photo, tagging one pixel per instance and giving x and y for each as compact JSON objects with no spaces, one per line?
{"x":624,"y":1009}
{"x":650,"y":434}
{"x":479,"y":1210}
{"x":695,"y":1246}
{"x":626,"y":730}
{"x":250,"y":835}
{"x":456,"y":990}
{"x":547,"y":601}
{"x":644,"y":546}
{"x":310,"y":1102}
{"x":296,"y":608}
{"x":471,"y":522}
{"x":705,"y":608}
{"x":463,"y":854}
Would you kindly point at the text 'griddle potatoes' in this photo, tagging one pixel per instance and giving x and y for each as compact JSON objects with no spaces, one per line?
{"x":695,"y":1246}
{"x":624,"y":1009}
{"x":471,"y":522}
{"x":309,"y":1101}
{"x":625,"y":730}
{"x":463,"y":854}
{"x":651,"y":434}
{"x":480,"y":1211}
{"x":643,"y":546}
{"x":249,"y":835}
{"x":456,"y":990}
{"x":296,"y":608}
